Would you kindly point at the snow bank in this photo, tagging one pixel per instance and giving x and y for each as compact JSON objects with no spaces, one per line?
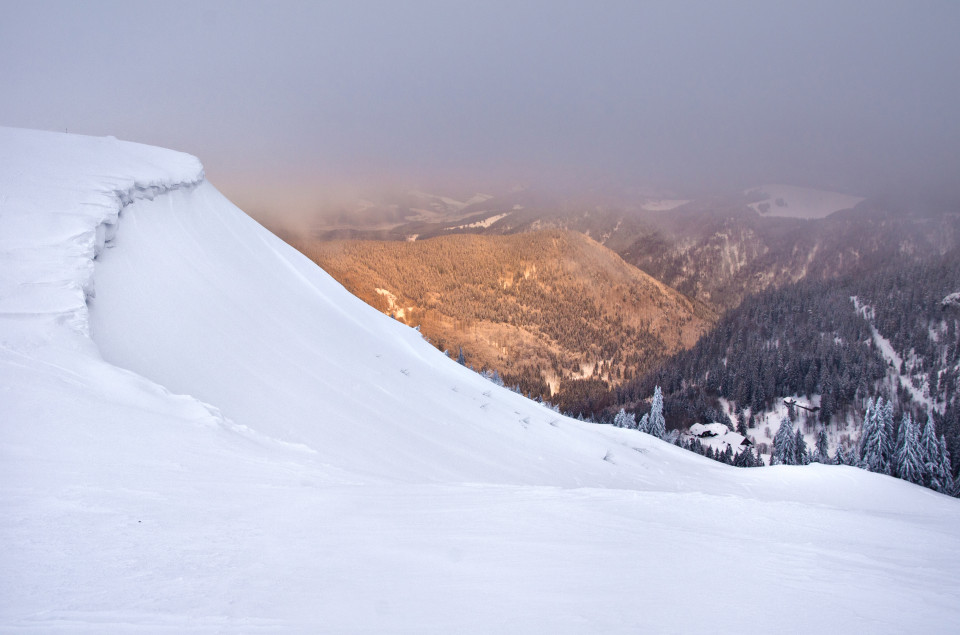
{"x":244,"y":446}
{"x":60,"y":201}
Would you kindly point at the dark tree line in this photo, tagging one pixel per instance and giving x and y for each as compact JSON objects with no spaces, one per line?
{"x":816,"y":338}
{"x":803,"y":339}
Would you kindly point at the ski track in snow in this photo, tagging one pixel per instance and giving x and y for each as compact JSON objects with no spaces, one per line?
{"x":215,"y":436}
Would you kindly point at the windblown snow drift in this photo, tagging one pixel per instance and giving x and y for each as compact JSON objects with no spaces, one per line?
{"x":202,"y":431}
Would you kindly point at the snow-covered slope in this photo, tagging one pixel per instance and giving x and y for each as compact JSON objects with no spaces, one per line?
{"x":243,"y":446}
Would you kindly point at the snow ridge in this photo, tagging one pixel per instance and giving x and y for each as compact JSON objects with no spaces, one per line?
{"x":49,"y":236}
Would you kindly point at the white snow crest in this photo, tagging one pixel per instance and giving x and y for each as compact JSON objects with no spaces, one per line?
{"x":49,"y":236}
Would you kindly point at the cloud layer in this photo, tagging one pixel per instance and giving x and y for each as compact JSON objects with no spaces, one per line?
{"x":303,"y":98}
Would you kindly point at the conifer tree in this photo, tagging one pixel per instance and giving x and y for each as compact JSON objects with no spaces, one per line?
{"x":841,"y":457}
{"x":909,"y":462}
{"x":742,"y":424}
{"x":656,"y":425}
{"x":889,"y":446}
{"x":620,"y":419}
{"x":897,"y":447}
{"x":873,"y":441}
{"x":784,"y":444}
{"x":930,"y":453}
{"x":802,"y":456}
{"x":943,"y":478}
{"x":745,"y":458}
{"x":644,"y":425}
{"x":867,"y":428}
{"x":739,"y":459}
{"x":823,"y":451}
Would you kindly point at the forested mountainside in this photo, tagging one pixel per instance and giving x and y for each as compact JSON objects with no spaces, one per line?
{"x":835,"y":343}
{"x":722,"y":252}
{"x":723,"y":258}
{"x":540,"y":308}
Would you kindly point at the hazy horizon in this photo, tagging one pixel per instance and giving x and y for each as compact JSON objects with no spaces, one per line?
{"x":293,"y":105}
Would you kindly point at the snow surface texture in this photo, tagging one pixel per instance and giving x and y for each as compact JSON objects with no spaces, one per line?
{"x":799,"y":202}
{"x":244,"y":446}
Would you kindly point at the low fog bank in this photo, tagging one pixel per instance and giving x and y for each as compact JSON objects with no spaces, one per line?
{"x":302,"y":209}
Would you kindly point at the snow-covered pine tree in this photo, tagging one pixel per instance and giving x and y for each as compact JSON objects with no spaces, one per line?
{"x":909,"y":462}
{"x":746,"y":458}
{"x":886,"y":421}
{"x":873,"y":441}
{"x":944,"y":476}
{"x":742,"y":424}
{"x":741,"y":459}
{"x":897,"y":446}
{"x":657,"y":425}
{"x":867,"y":428}
{"x":800,"y":447}
{"x":493,"y":376}
{"x":929,"y":453}
{"x":823,"y":448}
{"x":620,"y":419}
{"x":784,"y":444}
{"x":644,"y":425}
{"x":841,"y":457}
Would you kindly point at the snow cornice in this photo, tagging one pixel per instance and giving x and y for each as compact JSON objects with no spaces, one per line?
{"x":61,"y":197}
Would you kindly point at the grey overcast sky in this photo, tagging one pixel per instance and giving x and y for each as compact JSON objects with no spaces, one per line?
{"x":287,"y":101}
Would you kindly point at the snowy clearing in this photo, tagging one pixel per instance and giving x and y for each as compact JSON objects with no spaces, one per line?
{"x":486,"y":222}
{"x":799,"y":202}
{"x":663,"y":204}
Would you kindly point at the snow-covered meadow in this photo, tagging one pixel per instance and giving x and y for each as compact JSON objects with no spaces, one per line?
{"x":202,"y":431}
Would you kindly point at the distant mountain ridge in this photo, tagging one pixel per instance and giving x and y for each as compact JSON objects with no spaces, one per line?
{"x":716,"y":249}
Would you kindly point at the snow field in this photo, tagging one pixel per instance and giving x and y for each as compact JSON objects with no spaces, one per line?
{"x":243,"y":446}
